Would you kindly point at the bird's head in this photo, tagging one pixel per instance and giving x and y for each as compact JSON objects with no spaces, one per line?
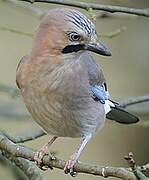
{"x":67,"y":31}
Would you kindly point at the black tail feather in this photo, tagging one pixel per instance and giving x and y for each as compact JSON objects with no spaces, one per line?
{"x":119,"y":115}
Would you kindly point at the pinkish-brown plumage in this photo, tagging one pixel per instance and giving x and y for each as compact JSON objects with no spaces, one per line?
{"x":56,"y":86}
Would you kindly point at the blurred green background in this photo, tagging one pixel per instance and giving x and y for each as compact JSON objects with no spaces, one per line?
{"x":127,"y":74}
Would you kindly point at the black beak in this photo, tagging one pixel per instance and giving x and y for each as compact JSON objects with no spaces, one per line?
{"x":98,"y":48}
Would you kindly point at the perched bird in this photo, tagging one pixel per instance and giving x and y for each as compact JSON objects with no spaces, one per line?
{"x":62,"y":86}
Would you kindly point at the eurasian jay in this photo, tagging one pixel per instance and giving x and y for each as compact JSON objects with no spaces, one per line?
{"x":63,"y":88}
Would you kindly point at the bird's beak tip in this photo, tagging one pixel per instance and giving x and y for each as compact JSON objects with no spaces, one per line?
{"x":99,"y":48}
{"x":108,"y":53}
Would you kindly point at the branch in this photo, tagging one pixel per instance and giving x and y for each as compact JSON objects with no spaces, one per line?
{"x":28,"y":168}
{"x":31,"y":9}
{"x":86,"y":6}
{"x":27,"y":136}
{"x":113,"y":33}
{"x":105,"y":14}
{"x":2,"y":28}
{"x":134,"y":100}
{"x":134,"y":167}
{"x":10,"y":90}
{"x":21,"y":151}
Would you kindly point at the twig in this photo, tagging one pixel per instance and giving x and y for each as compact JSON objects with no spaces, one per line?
{"x":134,"y":100}
{"x":105,"y":14}
{"x":113,"y":33}
{"x":86,"y":6}
{"x":21,"y":151}
{"x":134,"y":167}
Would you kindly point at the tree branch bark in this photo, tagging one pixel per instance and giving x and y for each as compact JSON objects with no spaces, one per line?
{"x":21,"y":151}
{"x":86,"y":6}
{"x":27,"y":167}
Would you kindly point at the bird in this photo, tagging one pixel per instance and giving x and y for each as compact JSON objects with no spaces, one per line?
{"x":62,"y":86}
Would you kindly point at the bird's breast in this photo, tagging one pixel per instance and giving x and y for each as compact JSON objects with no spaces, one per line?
{"x":60,"y":102}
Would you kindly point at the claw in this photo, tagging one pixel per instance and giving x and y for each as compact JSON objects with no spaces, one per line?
{"x":38,"y":158}
{"x":69,"y":167}
{"x":73,"y":174}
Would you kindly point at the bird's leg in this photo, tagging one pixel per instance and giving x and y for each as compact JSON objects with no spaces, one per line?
{"x":38,"y":157}
{"x":69,"y":166}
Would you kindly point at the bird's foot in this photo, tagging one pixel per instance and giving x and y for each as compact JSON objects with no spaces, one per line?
{"x":39,"y":155}
{"x":38,"y":158}
{"x":69,"y":166}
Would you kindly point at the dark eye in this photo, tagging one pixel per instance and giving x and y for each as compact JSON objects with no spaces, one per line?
{"x":74,"y":36}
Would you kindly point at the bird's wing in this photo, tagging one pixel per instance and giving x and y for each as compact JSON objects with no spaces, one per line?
{"x":100,"y":93}
{"x":95,"y":73}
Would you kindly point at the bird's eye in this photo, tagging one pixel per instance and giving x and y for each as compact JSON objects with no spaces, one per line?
{"x":74,"y":36}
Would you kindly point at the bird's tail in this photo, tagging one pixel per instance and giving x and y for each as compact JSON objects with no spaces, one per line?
{"x":118,"y":114}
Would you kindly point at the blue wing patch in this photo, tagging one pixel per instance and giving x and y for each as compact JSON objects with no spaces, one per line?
{"x":99,"y":93}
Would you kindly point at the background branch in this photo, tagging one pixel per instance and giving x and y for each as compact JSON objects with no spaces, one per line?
{"x":31,"y":9}
{"x":9,"y":90}
{"x":134,"y":100}
{"x":86,"y":6}
{"x":27,"y":136}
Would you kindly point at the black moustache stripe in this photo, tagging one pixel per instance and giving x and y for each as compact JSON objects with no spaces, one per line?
{"x":73,"y":48}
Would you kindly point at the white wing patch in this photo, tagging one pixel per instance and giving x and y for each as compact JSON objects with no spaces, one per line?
{"x":107,"y":106}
